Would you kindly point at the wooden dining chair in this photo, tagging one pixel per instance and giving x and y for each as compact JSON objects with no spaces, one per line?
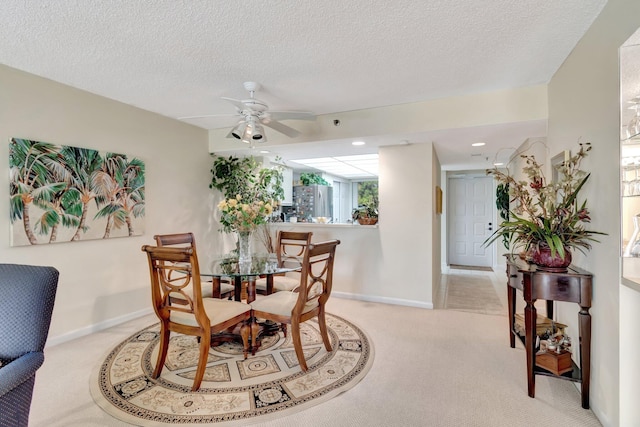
{"x":291,"y":248}
{"x":306,"y":301}
{"x":177,"y":300}
{"x":227,"y":290}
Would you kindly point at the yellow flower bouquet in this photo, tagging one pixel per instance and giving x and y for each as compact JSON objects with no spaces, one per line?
{"x":243,"y":215}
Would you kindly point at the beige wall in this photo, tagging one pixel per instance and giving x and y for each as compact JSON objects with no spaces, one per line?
{"x":104,"y":281}
{"x":406,"y":219}
{"x":436,"y":228}
{"x":507,"y":106}
{"x":584,"y":106}
{"x":395,"y":262}
{"x":407,"y":248}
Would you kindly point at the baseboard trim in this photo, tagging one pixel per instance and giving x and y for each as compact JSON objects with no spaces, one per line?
{"x":468,"y":272}
{"x":96,"y":327}
{"x":383,"y":300}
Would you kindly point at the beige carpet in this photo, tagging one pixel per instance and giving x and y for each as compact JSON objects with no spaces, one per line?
{"x":436,"y":368}
{"x":234,"y":391}
{"x":472,"y":293}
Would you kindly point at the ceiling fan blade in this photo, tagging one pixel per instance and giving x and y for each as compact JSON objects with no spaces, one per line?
{"x":291,"y":115}
{"x":284,"y":129}
{"x":207,"y":116}
{"x":238,"y":104}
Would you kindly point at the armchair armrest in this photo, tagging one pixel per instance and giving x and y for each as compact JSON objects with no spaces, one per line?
{"x":20,"y":370}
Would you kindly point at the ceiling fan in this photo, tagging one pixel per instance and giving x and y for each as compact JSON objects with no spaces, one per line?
{"x":254,"y":114}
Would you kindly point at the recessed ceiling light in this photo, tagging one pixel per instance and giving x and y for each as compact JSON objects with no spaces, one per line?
{"x":498,"y":164}
{"x":264,"y":151}
{"x":357,"y":143}
{"x":477,"y":144}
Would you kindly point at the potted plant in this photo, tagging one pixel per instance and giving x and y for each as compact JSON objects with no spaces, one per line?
{"x":365,"y":214}
{"x":251,"y":193}
{"x":310,"y":178}
{"x":545,"y":220}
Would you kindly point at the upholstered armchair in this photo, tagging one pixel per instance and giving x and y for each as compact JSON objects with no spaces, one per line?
{"x":27,"y":294}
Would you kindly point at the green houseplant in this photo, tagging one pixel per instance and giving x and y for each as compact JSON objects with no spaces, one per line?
{"x":366,"y":214}
{"x":545,"y":219}
{"x":251,"y":192}
{"x":310,"y":178}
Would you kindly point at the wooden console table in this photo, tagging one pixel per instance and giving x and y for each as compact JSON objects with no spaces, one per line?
{"x":574,"y":285}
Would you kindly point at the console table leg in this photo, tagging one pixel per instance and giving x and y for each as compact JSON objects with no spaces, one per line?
{"x":585,"y":353}
{"x":511,"y":304}
{"x":550,"y":309}
{"x":530,"y":345}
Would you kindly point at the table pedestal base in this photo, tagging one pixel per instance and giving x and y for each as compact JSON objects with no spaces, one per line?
{"x":260,"y":330}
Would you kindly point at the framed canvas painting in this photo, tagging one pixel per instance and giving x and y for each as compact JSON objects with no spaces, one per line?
{"x":60,"y":193}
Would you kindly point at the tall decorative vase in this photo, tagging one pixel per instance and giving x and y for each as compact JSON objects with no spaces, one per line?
{"x":244,"y":246}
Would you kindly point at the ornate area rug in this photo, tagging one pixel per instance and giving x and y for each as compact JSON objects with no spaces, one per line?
{"x":234,"y":391}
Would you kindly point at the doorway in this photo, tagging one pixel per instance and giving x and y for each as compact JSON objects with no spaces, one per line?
{"x":470,"y":208}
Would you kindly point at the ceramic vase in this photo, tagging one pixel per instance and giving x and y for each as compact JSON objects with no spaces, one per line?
{"x":543,"y":259}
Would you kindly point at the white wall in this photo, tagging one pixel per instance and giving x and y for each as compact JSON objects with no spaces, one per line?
{"x":398,"y":260}
{"x":584,"y":106}
{"x":436,"y":227}
{"x":105,"y":280}
{"x":406,"y":188}
{"x":506,"y":106}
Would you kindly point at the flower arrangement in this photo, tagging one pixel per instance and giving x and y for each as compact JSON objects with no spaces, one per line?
{"x":251,"y":192}
{"x":244,"y":216}
{"x":546,"y":215}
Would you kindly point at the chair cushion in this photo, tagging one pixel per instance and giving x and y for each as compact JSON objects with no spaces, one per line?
{"x":280,"y":283}
{"x":218,"y":311}
{"x":281,"y":303}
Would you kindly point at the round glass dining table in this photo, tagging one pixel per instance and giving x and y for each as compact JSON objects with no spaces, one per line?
{"x":259,"y":265}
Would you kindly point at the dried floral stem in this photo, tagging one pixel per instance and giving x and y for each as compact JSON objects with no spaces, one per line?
{"x":543,"y":213}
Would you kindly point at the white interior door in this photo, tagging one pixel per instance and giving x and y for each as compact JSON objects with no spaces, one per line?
{"x":471,"y":217}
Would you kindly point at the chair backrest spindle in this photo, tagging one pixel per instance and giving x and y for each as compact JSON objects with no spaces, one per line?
{"x":292,"y":246}
{"x":317,"y":275}
{"x":173,"y":271}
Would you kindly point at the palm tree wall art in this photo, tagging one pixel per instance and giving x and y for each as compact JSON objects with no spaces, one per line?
{"x":62,"y":193}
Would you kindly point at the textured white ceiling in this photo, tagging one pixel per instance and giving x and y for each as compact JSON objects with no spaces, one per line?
{"x":178,"y":57}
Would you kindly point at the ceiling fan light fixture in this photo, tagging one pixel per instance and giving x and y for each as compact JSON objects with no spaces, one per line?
{"x":255,"y":114}
{"x":258,"y":133}
{"x":252,"y":131}
{"x":239,"y":130}
{"x":249,"y":131}
{"x":246,"y":135}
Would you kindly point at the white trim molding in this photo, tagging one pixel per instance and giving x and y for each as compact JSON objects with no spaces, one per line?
{"x":383,"y":300}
